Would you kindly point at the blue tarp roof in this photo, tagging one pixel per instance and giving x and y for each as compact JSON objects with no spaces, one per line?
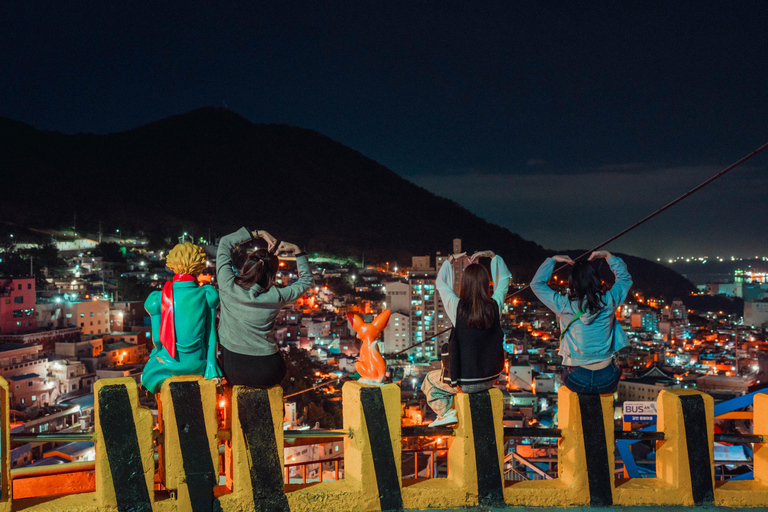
{"x":72,"y":448}
{"x":84,"y":401}
{"x":24,"y":376}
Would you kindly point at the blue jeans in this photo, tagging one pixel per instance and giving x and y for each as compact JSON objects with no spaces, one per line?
{"x":581,"y":380}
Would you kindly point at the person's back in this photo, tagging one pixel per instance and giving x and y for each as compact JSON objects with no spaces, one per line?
{"x":250,"y":303}
{"x":590,"y":333}
{"x":593,"y":334}
{"x":475,"y":347}
{"x":481,"y":349}
{"x":192,"y":330}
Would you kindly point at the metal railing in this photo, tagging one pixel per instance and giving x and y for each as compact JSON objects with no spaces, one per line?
{"x":300,"y":437}
{"x":336,"y":462}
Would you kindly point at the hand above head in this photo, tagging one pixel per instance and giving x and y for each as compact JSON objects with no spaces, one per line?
{"x":288,"y":247}
{"x":457,"y":256}
{"x":481,"y":254}
{"x":600,"y":254}
{"x":260,"y":233}
{"x":561,"y":258}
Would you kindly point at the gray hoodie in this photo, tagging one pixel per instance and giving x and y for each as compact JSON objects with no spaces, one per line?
{"x":595,"y":336}
{"x":248,"y":316}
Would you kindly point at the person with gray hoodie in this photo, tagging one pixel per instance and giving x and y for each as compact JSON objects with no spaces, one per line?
{"x":590,"y":333}
{"x":250,"y":302}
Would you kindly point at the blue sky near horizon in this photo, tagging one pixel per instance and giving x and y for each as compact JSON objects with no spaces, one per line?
{"x":563,"y":122}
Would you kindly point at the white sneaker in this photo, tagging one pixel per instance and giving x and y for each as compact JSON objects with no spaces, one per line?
{"x":446,"y":419}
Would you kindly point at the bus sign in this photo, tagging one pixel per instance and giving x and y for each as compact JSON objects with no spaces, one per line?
{"x":636,"y":412}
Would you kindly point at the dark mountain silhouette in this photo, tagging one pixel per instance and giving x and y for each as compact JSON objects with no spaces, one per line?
{"x":212,"y":169}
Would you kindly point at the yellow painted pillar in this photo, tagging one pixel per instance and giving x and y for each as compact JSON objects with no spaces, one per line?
{"x":190,"y":449}
{"x":257,"y":451}
{"x":684,"y":469}
{"x":475,"y":458}
{"x":750,"y":493}
{"x":584,"y":454}
{"x":5,"y":448}
{"x":372,"y":456}
{"x":125,"y":466}
{"x":372,"y":453}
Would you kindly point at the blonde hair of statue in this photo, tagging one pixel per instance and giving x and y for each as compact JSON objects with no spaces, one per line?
{"x":186,"y":258}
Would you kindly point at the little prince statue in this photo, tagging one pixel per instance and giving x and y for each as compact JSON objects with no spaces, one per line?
{"x":183,"y":317}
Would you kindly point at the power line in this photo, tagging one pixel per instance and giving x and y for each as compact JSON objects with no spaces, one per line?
{"x":663,"y":208}
{"x":317,"y":386}
{"x":421,"y":342}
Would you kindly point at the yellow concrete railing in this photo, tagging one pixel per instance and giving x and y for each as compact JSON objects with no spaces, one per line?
{"x":189,"y":456}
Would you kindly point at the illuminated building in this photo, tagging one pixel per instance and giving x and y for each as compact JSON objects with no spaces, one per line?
{"x":756,"y":313}
{"x":427,"y":314}
{"x":645,"y":387}
{"x":397,"y":335}
{"x":17,"y":305}
{"x":644,"y":320}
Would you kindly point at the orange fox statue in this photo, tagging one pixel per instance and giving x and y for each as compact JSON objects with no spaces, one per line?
{"x":370,"y":365}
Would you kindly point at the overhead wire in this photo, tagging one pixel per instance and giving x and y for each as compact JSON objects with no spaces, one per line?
{"x":317,"y":386}
{"x":652,"y":215}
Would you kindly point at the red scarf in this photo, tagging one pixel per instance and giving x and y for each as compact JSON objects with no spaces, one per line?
{"x":167,"y":323}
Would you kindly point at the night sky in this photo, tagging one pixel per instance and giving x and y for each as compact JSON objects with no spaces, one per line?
{"x":562,"y":121}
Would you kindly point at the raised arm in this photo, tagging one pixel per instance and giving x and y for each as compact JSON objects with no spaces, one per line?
{"x":501,"y":276}
{"x":545,"y":294}
{"x":444,"y":285}
{"x":623,"y":283}
{"x":297,"y":289}
{"x":224,"y":274}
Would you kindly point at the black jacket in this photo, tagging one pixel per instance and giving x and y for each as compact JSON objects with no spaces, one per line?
{"x":472,"y":355}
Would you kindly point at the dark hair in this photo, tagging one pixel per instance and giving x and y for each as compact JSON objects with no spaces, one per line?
{"x":260,"y":268}
{"x":476,"y":307}
{"x":586,"y":287}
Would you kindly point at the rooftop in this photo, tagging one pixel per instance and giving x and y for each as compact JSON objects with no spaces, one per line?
{"x":72,"y":448}
{"x":49,"y":461}
{"x":108,"y":347}
{"x":24,"y":376}
{"x":5,"y":347}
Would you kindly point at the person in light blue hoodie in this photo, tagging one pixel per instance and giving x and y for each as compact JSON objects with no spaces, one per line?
{"x":590,"y":333}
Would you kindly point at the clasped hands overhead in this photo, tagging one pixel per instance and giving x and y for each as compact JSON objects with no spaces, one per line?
{"x":472,"y":259}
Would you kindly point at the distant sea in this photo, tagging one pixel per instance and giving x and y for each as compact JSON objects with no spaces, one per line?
{"x":715,"y":271}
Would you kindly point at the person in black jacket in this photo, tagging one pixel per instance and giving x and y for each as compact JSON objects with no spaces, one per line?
{"x":475,"y":346}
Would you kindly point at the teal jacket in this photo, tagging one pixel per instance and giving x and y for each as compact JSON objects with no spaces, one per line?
{"x":248,"y":316}
{"x":194,"y":318}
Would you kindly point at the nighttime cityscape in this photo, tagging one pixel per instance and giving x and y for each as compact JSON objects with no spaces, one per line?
{"x":246,"y":249}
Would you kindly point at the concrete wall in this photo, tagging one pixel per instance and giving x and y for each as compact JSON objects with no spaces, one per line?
{"x":253,"y":438}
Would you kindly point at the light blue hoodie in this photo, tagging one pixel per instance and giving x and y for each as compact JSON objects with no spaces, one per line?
{"x":594,"y":337}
